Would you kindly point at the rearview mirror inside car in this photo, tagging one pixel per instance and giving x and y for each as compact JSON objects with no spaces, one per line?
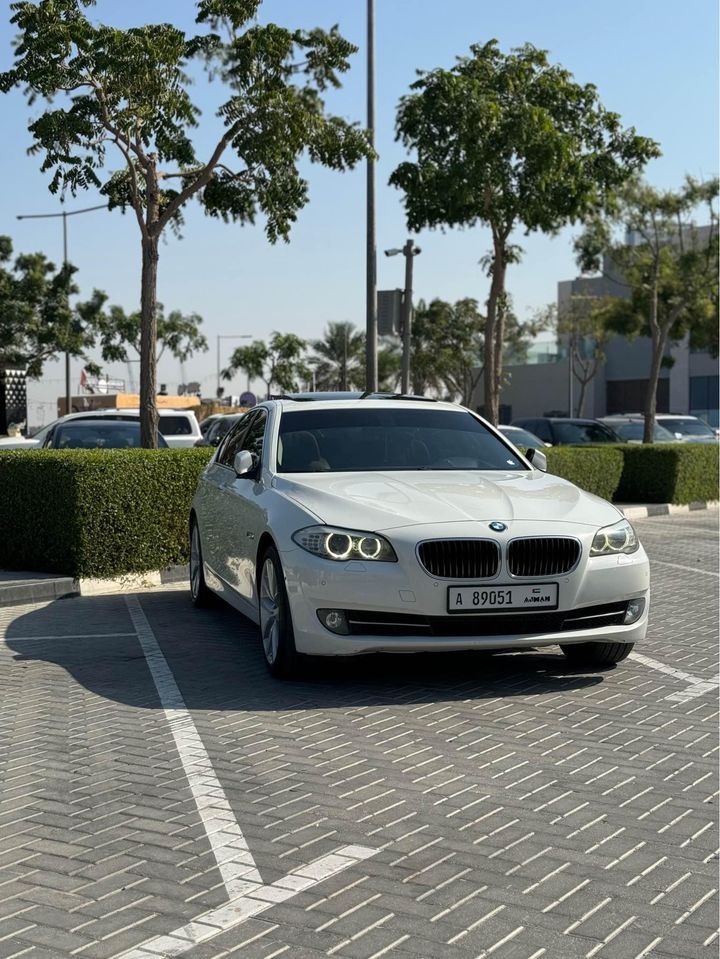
{"x":538,"y":459}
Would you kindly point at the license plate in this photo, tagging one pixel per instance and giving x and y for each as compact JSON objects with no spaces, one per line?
{"x":487,"y":599}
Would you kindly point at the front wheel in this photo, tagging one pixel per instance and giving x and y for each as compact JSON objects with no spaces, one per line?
{"x":276,"y":628}
{"x":199,"y":593}
{"x":596,"y":654}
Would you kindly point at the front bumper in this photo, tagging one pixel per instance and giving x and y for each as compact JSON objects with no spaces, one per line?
{"x":408,"y":594}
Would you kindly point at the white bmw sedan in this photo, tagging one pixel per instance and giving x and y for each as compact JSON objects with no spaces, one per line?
{"x":394,"y":525}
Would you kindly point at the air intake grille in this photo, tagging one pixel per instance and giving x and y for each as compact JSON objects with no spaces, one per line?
{"x":546,"y":556}
{"x":460,"y":558}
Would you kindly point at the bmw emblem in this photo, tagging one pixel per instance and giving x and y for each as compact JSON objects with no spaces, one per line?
{"x":497,"y":527}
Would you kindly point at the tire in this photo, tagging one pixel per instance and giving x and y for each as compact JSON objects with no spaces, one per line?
{"x":200,"y":595}
{"x":596,"y":654}
{"x":276,"y":629}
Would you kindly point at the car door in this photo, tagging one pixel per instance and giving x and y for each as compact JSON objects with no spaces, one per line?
{"x":245,"y":511}
{"x":211,"y":501}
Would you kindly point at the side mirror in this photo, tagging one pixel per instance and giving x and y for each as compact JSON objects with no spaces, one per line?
{"x":245,"y":463}
{"x":538,"y":460}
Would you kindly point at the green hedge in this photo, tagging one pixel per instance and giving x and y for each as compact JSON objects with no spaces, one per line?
{"x":669,"y":473}
{"x":96,"y":513}
{"x":596,"y":469}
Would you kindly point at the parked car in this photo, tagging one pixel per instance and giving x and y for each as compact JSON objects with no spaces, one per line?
{"x":691,"y":429}
{"x":179,"y":427}
{"x":631,"y":429}
{"x":218,"y":429}
{"x":371,"y":525}
{"x":100,"y":433}
{"x":567,"y":431}
{"x":523,"y":438}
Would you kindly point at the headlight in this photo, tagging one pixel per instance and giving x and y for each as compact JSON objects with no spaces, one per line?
{"x":342,"y":545}
{"x":620,"y":538}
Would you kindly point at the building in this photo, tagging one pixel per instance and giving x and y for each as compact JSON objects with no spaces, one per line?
{"x":543,"y":384}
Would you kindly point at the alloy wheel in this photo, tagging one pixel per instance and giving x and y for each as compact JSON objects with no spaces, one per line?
{"x":270,"y":610}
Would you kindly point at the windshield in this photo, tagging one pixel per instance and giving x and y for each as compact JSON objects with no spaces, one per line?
{"x":520,"y":437}
{"x":635,"y":431}
{"x":576,"y":433}
{"x":689,"y":427}
{"x":366,"y":440}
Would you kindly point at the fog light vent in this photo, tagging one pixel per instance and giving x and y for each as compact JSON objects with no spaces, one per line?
{"x":335,"y":620}
{"x":634,"y":611}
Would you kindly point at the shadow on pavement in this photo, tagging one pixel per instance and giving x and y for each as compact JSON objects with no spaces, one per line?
{"x":217,"y":662}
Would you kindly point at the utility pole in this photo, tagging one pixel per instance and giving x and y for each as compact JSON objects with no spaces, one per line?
{"x":371,"y":360}
{"x":409,"y":251}
{"x":51,"y":216}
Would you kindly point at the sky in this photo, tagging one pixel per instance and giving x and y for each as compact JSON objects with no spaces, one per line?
{"x":655,"y":62}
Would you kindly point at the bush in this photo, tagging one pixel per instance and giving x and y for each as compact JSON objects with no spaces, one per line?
{"x":596,"y":469}
{"x":96,"y":513}
{"x":669,"y":473}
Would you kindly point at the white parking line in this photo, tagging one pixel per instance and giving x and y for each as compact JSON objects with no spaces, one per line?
{"x":247,"y":893}
{"x":697,"y":686}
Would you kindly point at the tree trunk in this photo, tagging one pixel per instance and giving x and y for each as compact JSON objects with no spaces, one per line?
{"x":148,"y":337}
{"x":581,"y":398}
{"x":659,"y":339}
{"x":491,"y":383}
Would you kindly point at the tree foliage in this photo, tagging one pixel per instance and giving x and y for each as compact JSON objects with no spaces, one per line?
{"x":128,"y":91}
{"x":280,"y":362}
{"x":668,"y":268}
{"x":338,"y":358}
{"x":584,"y":325}
{"x":508,"y":141}
{"x":178,"y":332}
{"x":37,"y":321}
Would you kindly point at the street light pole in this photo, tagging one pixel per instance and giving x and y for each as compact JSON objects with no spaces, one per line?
{"x":231,"y":336}
{"x":409,"y":251}
{"x":51,"y":216}
{"x":371,"y":360}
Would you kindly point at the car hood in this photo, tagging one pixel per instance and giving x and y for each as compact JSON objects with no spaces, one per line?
{"x":381,"y":501}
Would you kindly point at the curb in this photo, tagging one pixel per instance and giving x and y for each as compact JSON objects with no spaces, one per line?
{"x":37,"y":590}
{"x":132,"y":581}
{"x":663,"y":509}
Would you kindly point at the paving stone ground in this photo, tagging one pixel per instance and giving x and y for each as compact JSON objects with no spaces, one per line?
{"x":516,"y":808}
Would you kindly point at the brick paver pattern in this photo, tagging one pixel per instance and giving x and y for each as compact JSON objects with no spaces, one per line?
{"x":519,"y":808}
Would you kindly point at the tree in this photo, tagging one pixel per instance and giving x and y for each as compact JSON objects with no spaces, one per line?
{"x":281,"y":361}
{"x":584,"y":324}
{"x":177,"y":332}
{"x":129,"y":90}
{"x":508,"y":141}
{"x":36,"y":319}
{"x":338,"y":358}
{"x":669,"y":269}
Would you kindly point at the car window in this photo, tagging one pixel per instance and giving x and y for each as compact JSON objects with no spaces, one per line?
{"x":357,"y":439}
{"x":102,"y":434}
{"x":233,"y":442}
{"x":540,"y":428}
{"x":255,"y":436}
{"x":522,"y":437}
{"x":635,"y":431}
{"x":222,"y":427}
{"x":689,"y":427}
{"x":175,"y":425}
{"x":577,"y":433}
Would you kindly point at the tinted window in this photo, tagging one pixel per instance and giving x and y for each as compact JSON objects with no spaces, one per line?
{"x":98,"y":435}
{"x":339,"y":440}
{"x":255,"y":436}
{"x":521,"y":437}
{"x":577,"y":433}
{"x":175,"y":426}
{"x":635,"y":431}
{"x":233,"y":442}
{"x":542,"y":429}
